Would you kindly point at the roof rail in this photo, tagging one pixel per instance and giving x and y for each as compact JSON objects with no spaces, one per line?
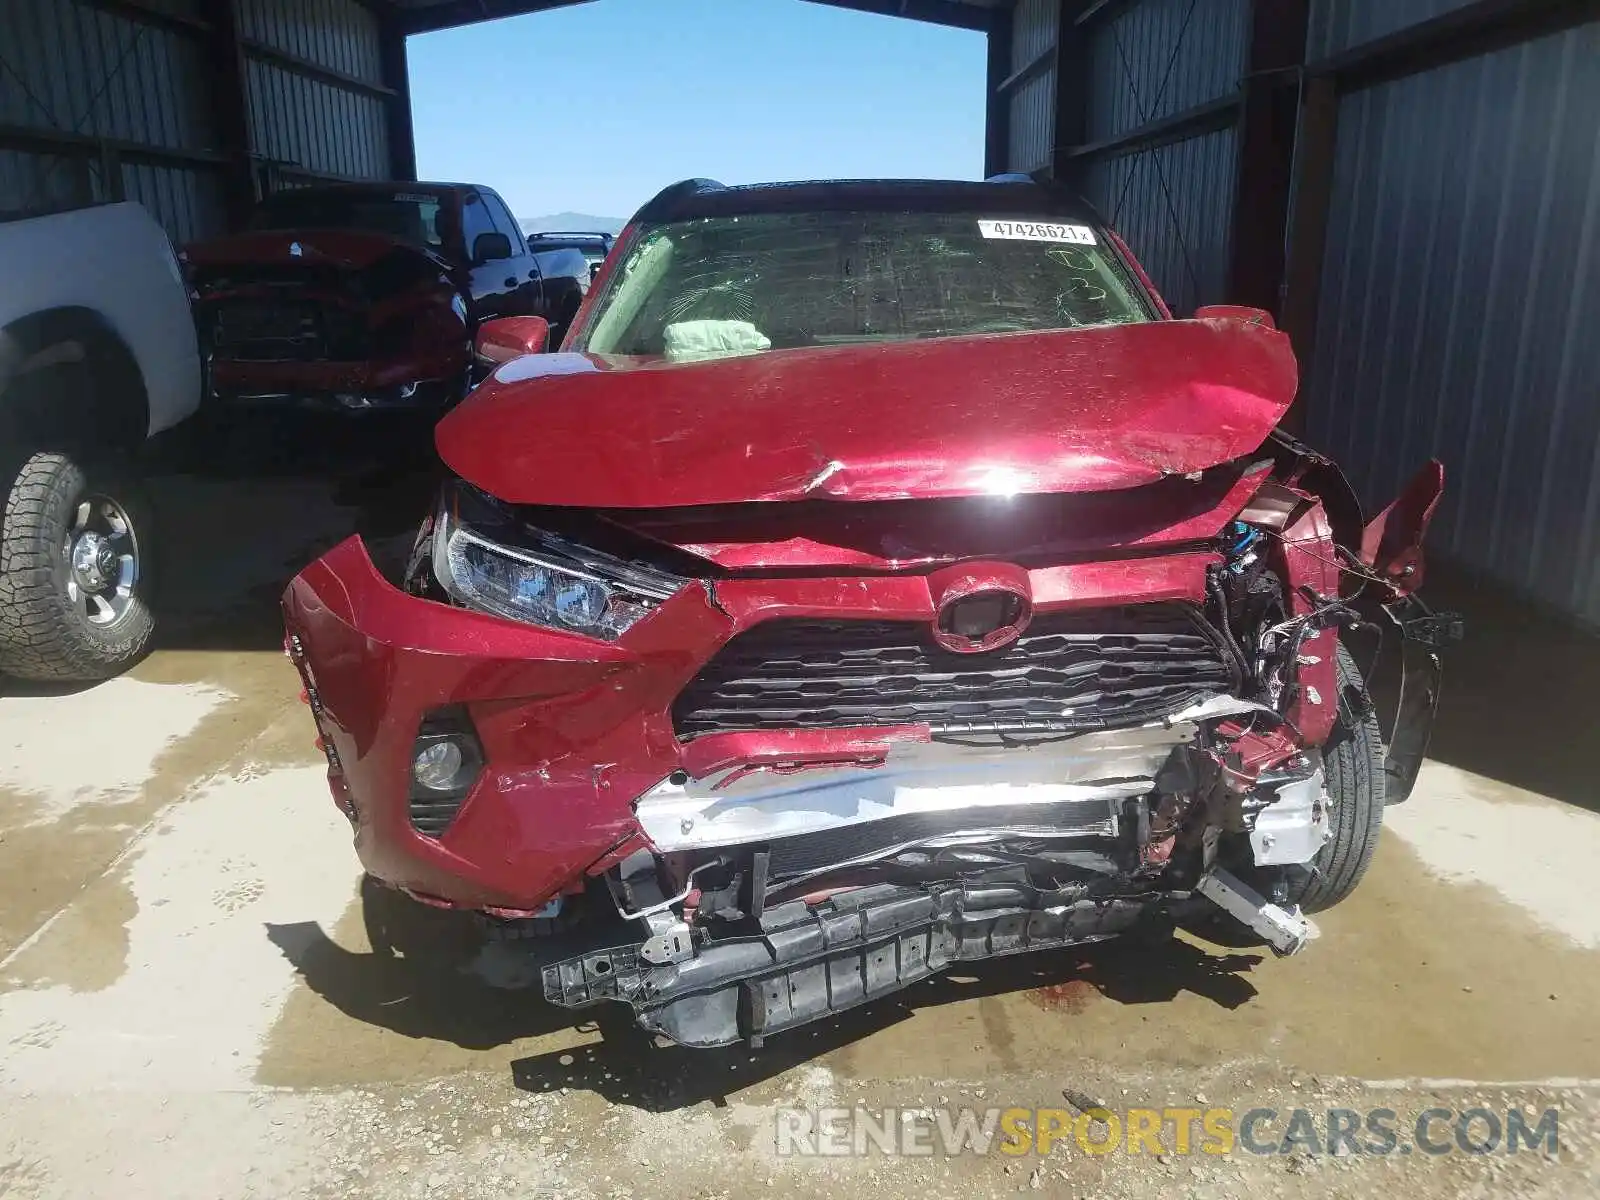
{"x":668,"y":196}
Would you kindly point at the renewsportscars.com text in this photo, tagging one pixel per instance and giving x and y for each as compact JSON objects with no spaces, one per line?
{"x":843,"y":1132}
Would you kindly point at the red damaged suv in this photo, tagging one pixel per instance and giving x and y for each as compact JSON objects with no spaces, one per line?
{"x":880,"y":578}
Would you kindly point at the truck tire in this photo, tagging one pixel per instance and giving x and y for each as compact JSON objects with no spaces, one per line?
{"x":74,"y":573}
{"x":1353,"y":761}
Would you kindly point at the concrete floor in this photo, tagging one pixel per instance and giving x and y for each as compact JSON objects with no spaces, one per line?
{"x":189,"y":1006}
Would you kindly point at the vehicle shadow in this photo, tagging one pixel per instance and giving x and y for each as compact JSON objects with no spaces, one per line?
{"x":429,"y":976}
{"x":241,"y":508}
{"x":416,"y":996}
{"x":1519,"y":703}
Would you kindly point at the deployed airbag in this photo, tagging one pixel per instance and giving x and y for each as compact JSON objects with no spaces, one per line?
{"x":693,"y":341}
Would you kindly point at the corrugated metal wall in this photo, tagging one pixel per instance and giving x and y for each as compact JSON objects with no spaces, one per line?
{"x":68,"y":67}
{"x":313,"y":125}
{"x":188,"y":203}
{"x":320,"y":126}
{"x":1340,"y":24}
{"x":1461,"y":291}
{"x":1173,"y":204}
{"x":341,"y":34}
{"x":1159,"y":57}
{"x":1033,"y":103}
{"x":136,"y":99}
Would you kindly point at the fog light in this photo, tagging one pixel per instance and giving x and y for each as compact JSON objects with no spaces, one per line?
{"x":437,"y":765}
{"x":446,"y":760}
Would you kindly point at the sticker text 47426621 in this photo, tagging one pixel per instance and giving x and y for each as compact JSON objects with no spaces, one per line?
{"x":1038,"y":231}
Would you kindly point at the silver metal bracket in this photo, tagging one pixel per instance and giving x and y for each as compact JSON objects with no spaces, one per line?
{"x":1286,"y":930}
{"x":670,"y":941}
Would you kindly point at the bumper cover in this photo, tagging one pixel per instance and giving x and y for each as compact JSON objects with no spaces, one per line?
{"x":574,"y":731}
{"x":413,"y":382}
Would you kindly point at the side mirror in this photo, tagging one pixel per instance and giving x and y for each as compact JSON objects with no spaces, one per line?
{"x":1235,"y":312}
{"x":506,"y":338}
{"x":490,"y":247}
{"x":594,"y":270}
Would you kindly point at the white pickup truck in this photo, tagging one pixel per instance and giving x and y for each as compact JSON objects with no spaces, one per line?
{"x":97,"y":353}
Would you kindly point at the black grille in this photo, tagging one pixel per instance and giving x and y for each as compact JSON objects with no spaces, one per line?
{"x":266,"y":330}
{"x":283,"y":331}
{"x":1079,"y":670}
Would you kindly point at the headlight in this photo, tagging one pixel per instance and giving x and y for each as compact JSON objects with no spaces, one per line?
{"x":487,"y":559}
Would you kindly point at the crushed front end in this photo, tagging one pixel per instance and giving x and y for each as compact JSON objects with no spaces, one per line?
{"x":743,"y":766}
{"x":342,"y":321}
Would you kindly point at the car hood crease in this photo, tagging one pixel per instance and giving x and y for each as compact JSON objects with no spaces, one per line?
{"x":1000,"y":414}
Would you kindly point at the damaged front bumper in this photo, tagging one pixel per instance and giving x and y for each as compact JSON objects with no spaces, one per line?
{"x":739,"y":883}
{"x":428,"y":382}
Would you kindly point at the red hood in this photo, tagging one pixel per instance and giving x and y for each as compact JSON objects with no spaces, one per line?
{"x":1069,"y":411}
{"x":349,"y":248}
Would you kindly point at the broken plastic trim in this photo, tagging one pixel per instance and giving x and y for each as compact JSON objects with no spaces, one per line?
{"x":1424,"y":635}
{"x":812,"y":961}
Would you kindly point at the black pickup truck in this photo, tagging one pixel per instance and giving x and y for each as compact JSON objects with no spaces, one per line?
{"x":368,"y":295}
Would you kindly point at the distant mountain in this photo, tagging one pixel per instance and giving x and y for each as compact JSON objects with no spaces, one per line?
{"x":571,"y":222}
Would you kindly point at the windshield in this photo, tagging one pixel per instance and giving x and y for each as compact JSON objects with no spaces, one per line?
{"x":735,"y":285}
{"x":412,"y":217}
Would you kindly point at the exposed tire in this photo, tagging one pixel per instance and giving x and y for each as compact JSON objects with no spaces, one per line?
{"x":1353,"y":761}
{"x":399,"y":927}
{"x":56,"y":626}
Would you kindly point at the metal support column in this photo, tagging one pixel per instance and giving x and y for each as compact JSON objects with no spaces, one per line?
{"x":1072,"y":90}
{"x":1268,"y":115}
{"x":402,"y":137}
{"x":226,"y":52}
{"x":1313,"y":194}
{"x":997,"y":116}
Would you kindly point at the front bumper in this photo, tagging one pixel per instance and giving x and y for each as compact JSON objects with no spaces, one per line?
{"x":574,"y":731}
{"x":422,"y":382}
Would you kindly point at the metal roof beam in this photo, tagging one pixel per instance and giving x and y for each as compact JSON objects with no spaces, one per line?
{"x":1191,"y":122}
{"x":1476,"y":28}
{"x":455,"y":13}
{"x":84,"y":145}
{"x":148,"y":14}
{"x":933,"y":12}
{"x":257,"y":49}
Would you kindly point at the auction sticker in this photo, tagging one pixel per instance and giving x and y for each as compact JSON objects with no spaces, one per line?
{"x":1037,"y":231}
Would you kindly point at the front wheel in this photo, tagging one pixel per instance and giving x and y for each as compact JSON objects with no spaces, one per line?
{"x":1353,"y":762}
{"x":74,"y":573}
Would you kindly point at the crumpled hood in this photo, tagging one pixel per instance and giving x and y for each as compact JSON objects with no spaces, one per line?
{"x":999,"y":414}
{"x":352,"y":249}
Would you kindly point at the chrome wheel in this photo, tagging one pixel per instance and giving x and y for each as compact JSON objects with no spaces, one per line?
{"x":102,"y":552}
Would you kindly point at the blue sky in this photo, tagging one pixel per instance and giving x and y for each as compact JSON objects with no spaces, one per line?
{"x":596,"y":107}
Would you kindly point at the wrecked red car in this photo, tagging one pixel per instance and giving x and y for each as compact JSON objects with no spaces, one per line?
{"x":881,"y":579}
{"x":366,"y":296}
